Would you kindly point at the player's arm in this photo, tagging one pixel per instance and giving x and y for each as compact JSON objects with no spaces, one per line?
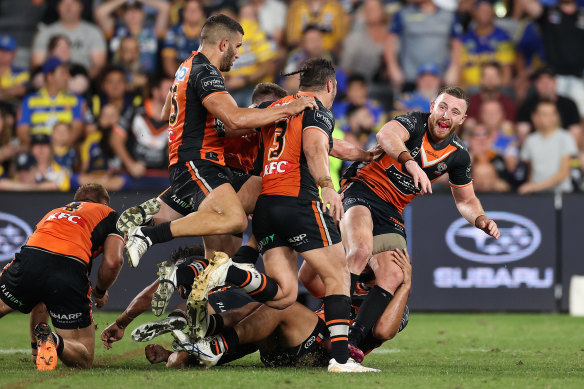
{"x":110,"y":267}
{"x":390,"y":321}
{"x":315,"y":144}
{"x":165,"y":114}
{"x":471,"y":209}
{"x":140,"y":304}
{"x":392,"y":138}
{"x":347,"y":151}
{"x":223,"y":107}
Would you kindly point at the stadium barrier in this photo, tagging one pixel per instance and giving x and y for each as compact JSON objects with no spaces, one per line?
{"x":455,"y":266}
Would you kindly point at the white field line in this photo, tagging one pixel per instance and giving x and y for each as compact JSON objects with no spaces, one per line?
{"x":14,"y":350}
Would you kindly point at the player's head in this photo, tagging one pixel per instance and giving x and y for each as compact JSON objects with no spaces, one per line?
{"x":267,"y":91}
{"x":186,"y":252}
{"x":318,"y":75}
{"x":225,"y":34}
{"x":447,"y":112}
{"x":94,"y":193}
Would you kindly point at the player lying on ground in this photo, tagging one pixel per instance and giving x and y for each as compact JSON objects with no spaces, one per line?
{"x":53,"y":267}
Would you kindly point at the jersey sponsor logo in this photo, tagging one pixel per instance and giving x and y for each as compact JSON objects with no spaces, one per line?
{"x":10,"y":296}
{"x":65,"y":316}
{"x":324,"y":119}
{"x":309,"y":342}
{"x":262,"y":243}
{"x":211,"y":83}
{"x":278,"y":167}
{"x":402,"y":182}
{"x":13,"y":234}
{"x":520,"y":237}
{"x":488,"y":277}
{"x":181,"y":73}
{"x":68,"y":217}
{"x":219,"y":128}
{"x":298,"y":240}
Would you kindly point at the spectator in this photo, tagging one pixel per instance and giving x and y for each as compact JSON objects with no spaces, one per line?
{"x":483,"y":43}
{"x":114,"y":91}
{"x":96,"y":154}
{"x":529,"y":56}
{"x":7,"y":147}
{"x":88,"y":44}
{"x":311,"y":46}
{"x":491,"y":89}
{"x":492,"y":116}
{"x":41,"y":110}
{"x":546,"y":89}
{"x":272,"y":18}
{"x":62,"y":146}
{"x":256,"y":61}
{"x":140,"y":140}
{"x":427,"y":87}
{"x":360,"y":127}
{"x":60,"y":47}
{"x":128,"y":58}
{"x":425,"y":33}
{"x":133,"y":24}
{"x":328,"y":15}
{"x":51,"y":14}
{"x":548,"y":152}
{"x":183,"y":38}
{"x":366,"y":59}
{"x":13,"y":80}
{"x":562,"y":27}
{"x":357,"y":95}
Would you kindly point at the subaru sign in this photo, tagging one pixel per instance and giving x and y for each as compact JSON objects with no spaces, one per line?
{"x":13,"y":233}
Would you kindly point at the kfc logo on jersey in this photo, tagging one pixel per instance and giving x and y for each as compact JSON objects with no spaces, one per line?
{"x":520,"y":237}
{"x":181,"y":73}
{"x":277,"y":167}
{"x":67,"y":216}
{"x":13,"y":234}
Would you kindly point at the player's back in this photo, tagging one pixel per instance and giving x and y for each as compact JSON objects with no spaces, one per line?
{"x":194,"y":133}
{"x":77,"y":230}
{"x":285,"y":169}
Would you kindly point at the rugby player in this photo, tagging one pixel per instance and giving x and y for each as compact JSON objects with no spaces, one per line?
{"x":201,"y":112}
{"x":53,"y":267}
{"x":418,"y":148}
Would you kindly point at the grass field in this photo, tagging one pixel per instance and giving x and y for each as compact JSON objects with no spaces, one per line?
{"x":435,"y":351}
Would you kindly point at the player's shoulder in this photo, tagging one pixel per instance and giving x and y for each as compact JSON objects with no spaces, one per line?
{"x":458,"y":143}
{"x":412,"y":120}
{"x":321,"y":117}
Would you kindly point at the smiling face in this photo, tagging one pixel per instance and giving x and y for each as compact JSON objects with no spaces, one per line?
{"x":447,"y":113}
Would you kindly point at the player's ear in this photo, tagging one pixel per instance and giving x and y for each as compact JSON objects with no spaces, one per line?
{"x":224,"y":45}
{"x":463,"y":119}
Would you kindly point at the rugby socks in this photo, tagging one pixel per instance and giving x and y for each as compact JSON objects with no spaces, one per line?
{"x":369,"y":312}
{"x":257,"y":285}
{"x":159,"y":233}
{"x":225,"y":341}
{"x":354,"y":281}
{"x":215,"y":324}
{"x":337,"y":308}
{"x":246,"y":254}
{"x":186,"y":273}
{"x":59,"y":343}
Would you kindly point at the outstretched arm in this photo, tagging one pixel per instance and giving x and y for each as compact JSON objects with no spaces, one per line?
{"x":471,"y":209}
{"x":347,"y":151}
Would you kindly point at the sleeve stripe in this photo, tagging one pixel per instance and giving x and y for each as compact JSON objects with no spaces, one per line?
{"x":459,"y":186}
{"x":212,"y":94}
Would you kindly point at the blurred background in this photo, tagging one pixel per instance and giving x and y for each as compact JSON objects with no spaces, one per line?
{"x":82,"y":84}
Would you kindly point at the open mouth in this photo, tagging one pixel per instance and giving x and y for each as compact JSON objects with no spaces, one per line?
{"x":442,"y":125}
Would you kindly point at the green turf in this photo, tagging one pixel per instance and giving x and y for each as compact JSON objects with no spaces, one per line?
{"x":435,"y":351}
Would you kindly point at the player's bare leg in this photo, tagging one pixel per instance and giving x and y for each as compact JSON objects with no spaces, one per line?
{"x":229,"y":244}
{"x":39,"y":314}
{"x":79,"y":346}
{"x":357,"y":234}
{"x":281,"y":264}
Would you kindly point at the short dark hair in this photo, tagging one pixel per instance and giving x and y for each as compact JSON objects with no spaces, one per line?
{"x":186,"y":252}
{"x":356,"y":77}
{"x":55,"y":39}
{"x":455,"y":91}
{"x":265,"y":91}
{"x":94,"y":193}
{"x":217,"y":27}
{"x":492,"y":64}
{"x":315,"y":73}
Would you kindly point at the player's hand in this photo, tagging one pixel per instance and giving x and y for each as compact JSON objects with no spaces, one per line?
{"x":375,"y":152}
{"x":111,"y":334}
{"x":396,"y":76}
{"x":137,"y":169}
{"x":419,"y":176}
{"x":299,"y":105}
{"x":488,"y":226}
{"x":100,"y":301}
{"x":402,"y":259}
{"x":332,"y":198}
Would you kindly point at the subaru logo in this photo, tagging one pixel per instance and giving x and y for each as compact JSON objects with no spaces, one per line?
{"x":520,"y":237}
{"x":13,"y":233}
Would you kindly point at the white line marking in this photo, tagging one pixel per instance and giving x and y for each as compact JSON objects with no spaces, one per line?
{"x":14,"y":350}
{"x":386,"y":351}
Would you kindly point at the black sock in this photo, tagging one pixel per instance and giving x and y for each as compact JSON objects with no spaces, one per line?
{"x":224,"y":341}
{"x":337,"y":308}
{"x":60,"y":343}
{"x":246,"y":254}
{"x":369,"y":312}
{"x":159,"y":233}
{"x":257,"y":285}
{"x":354,"y":281}
{"x":186,"y":273}
{"x":215,"y":324}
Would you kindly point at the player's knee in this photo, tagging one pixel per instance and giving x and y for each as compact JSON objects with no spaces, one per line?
{"x":282,"y":303}
{"x":359,"y":254}
{"x":238,"y":222}
{"x":383,"y":334}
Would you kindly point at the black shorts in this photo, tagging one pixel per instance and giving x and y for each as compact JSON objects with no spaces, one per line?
{"x":36,"y":276}
{"x":226,"y":298}
{"x":386,"y":218}
{"x":309,"y":353}
{"x":190,"y":184}
{"x":289,"y":221}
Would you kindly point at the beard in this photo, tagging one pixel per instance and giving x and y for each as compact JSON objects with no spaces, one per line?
{"x":227,"y":60}
{"x":441,"y":129}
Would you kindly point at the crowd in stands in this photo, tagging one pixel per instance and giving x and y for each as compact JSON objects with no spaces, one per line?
{"x":82,"y":91}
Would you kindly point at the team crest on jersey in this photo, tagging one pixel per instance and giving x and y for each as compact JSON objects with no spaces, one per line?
{"x":181,"y":73}
{"x":441,"y":168}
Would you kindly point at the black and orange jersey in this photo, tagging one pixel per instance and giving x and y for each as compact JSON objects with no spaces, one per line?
{"x":242,"y":152}
{"x":285,"y":170}
{"x":392,"y":183}
{"x":77,"y":230}
{"x":193,"y":132}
